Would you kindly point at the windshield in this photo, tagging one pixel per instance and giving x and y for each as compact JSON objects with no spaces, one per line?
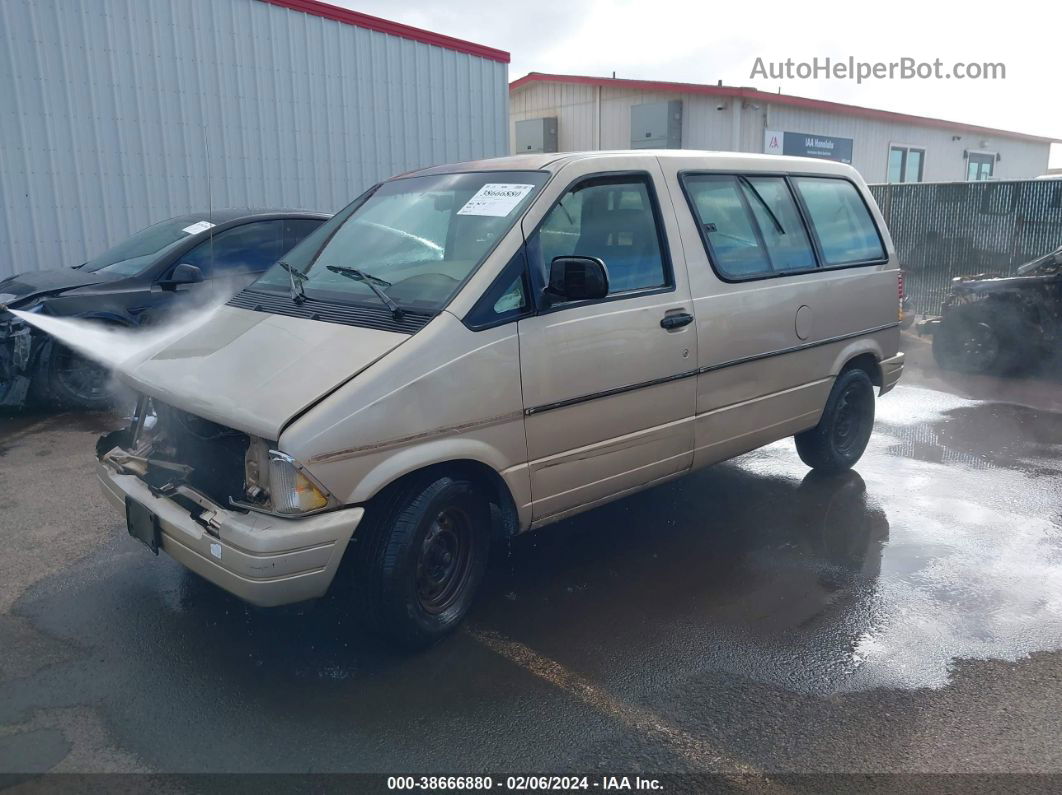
{"x":136,"y":253}
{"x":415,"y":239}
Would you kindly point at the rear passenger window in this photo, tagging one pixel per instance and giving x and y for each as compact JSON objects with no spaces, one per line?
{"x":752,"y":225}
{"x":841,"y":221}
{"x":611,"y":218}
{"x":779,"y":221}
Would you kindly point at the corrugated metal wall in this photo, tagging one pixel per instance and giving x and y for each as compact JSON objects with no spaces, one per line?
{"x":119,"y":113}
{"x":953,"y":229}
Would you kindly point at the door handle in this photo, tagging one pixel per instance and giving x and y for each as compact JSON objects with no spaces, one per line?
{"x":678,"y":320}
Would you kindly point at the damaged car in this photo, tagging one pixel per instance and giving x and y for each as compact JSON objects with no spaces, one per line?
{"x":993,"y":323}
{"x":173,"y":265}
{"x":473,"y":351}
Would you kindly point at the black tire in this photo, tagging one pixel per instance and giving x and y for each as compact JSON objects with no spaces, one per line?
{"x":844,"y":429}
{"x":986,"y":337}
{"x":419,"y":557}
{"x":68,"y":380}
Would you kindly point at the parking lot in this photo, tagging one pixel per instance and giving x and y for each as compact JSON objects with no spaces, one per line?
{"x":751,"y":619}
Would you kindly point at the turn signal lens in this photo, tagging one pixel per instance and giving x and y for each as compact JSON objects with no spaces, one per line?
{"x":291,"y":491}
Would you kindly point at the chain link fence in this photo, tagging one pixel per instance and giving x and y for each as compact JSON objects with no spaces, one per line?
{"x":950,"y":229}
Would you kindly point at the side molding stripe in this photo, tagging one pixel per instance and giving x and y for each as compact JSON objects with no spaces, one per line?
{"x":706,"y":369}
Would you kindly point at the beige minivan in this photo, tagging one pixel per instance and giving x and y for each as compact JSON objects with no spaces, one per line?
{"x":472,"y":351}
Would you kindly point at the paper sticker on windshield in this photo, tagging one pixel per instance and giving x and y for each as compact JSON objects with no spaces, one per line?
{"x":197,"y":227}
{"x":495,"y":199}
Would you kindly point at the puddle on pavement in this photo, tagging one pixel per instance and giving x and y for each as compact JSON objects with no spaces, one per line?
{"x":945,"y":544}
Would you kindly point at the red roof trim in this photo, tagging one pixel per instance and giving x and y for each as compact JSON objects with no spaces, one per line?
{"x":753,"y":94}
{"x":360,"y":20}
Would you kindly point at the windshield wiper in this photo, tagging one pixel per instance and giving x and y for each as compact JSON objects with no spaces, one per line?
{"x":370,"y":281}
{"x":296,"y":277}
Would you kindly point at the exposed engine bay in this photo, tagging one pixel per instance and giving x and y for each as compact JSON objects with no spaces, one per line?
{"x":181,"y":455}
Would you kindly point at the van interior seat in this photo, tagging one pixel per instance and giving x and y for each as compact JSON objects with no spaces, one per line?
{"x":626,"y":241}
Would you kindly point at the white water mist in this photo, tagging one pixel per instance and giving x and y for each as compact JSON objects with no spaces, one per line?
{"x":114,"y":346}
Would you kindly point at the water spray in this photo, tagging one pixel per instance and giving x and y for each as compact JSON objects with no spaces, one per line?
{"x":117,"y":347}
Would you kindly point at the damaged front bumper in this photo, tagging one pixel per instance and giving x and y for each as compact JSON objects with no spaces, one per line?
{"x":16,"y":353}
{"x":929,"y":326}
{"x":265,"y":560}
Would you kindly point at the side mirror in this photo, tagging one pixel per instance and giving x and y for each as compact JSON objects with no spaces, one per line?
{"x":183,"y":274}
{"x":577,"y":279}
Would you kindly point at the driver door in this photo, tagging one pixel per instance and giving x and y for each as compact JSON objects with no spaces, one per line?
{"x":608,"y":385}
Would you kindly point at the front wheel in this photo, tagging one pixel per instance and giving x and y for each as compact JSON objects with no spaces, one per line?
{"x":419,"y":557}
{"x":841,"y":436}
{"x":985,"y":337}
{"x":68,"y":380}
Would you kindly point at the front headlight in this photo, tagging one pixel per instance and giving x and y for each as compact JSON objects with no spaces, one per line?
{"x":276,"y":483}
{"x":290,"y":490}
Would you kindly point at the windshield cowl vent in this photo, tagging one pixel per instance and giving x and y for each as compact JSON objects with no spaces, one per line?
{"x":363,"y":316}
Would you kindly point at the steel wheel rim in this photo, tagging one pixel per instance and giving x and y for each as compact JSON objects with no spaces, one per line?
{"x":444,"y":560}
{"x":849,"y":420}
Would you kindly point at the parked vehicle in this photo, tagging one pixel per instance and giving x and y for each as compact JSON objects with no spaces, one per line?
{"x":997,"y":323}
{"x":159,"y":270}
{"x":472,"y":351}
{"x":907,"y":312}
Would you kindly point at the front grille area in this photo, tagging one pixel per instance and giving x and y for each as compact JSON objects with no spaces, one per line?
{"x":215,"y":453}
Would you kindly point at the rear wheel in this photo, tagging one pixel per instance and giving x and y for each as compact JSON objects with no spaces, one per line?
{"x":841,"y":436}
{"x":419,"y":556}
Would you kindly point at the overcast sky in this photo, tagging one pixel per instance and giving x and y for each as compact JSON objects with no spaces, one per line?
{"x":707,"y":41}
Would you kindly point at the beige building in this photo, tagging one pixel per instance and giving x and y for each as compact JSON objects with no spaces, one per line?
{"x":575,"y":113}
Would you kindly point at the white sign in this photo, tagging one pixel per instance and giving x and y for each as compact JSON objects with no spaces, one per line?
{"x":772,"y":142}
{"x":495,"y":199}
{"x":197,"y":227}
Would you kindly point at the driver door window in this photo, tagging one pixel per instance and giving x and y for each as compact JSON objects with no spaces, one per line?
{"x":250,"y":248}
{"x":611,"y":218}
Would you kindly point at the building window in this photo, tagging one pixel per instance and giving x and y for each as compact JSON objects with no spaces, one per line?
{"x":906,"y":164}
{"x":979,"y":166}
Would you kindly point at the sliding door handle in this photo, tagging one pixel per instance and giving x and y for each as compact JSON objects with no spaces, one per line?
{"x":678,"y":320}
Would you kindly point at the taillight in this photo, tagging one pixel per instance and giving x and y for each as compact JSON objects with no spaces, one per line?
{"x":899,"y":294}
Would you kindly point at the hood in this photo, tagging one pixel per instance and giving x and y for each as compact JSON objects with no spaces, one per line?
{"x":990,"y":283}
{"x":17,"y":289}
{"x":254,"y":371}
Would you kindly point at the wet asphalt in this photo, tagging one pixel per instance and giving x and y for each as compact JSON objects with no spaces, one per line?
{"x":751,"y":618}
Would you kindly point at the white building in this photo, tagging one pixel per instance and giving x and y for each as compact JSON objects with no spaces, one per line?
{"x":117,"y":114}
{"x":573,"y":113}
